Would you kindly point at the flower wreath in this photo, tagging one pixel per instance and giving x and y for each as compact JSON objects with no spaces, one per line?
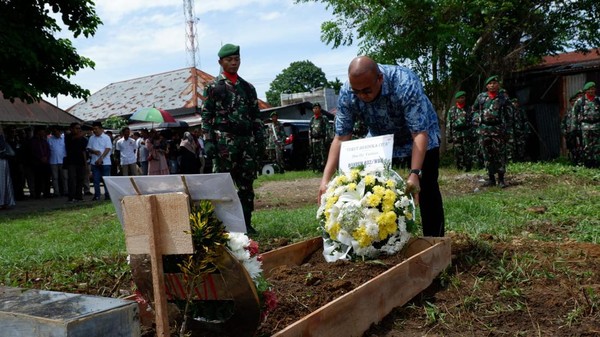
{"x":208,"y":232}
{"x":245,"y":250}
{"x":365,"y":212}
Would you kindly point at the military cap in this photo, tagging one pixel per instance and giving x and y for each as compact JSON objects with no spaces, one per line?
{"x":589,"y":85}
{"x":228,"y":50}
{"x":317,"y":104}
{"x":274,"y":113}
{"x":459,"y":94}
{"x":491,"y":78}
{"x":514,"y":100}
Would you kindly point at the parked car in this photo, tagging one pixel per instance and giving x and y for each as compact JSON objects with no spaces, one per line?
{"x":296,"y":152}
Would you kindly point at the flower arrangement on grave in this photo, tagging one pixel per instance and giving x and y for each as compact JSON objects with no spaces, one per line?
{"x":365,"y":212}
{"x":208,"y":236}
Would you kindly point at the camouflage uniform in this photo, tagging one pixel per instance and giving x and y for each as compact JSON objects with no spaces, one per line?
{"x":571,"y":133}
{"x":489,"y":116}
{"x":521,"y":132}
{"x":276,"y":142}
{"x":510,"y":127}
{"x":459,"y":132}
{"x":318,"y":133}
{"x":586,"y":121}
{"x":230,"y":119}
{"x":359,"y":130}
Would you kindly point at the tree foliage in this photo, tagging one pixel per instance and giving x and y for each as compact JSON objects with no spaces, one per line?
{"x":33,"y":61}
{"x":115,"y":122}
{"x":300,"y":76}
{"x":451,"y":43}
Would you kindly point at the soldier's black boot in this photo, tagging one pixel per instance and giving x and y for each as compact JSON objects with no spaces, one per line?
{"x":501,"y":182}
{"x":490,"y":182}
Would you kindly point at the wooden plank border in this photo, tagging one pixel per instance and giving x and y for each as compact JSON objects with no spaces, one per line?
{"x":353,"y":313}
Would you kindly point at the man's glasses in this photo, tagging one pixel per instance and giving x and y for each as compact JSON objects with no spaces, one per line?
{"x":368,"y":90}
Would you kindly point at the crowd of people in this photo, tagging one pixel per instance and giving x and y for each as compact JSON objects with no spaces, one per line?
{"x":489,"y":133}
{"x":55,"y":162}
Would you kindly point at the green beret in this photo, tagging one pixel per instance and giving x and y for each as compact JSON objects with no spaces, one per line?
{"x":589,"y":85}
{"x":459,"y":94}
{"x":228,"y":50}
{"x":491,"y":78}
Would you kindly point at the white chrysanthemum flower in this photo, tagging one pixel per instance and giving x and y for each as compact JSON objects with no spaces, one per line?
{"x":376,"y":168}
{"x":238,"y":241}
{"x":372,"y":228}
{"x":405,"y":202}
{"x":253,"y":266}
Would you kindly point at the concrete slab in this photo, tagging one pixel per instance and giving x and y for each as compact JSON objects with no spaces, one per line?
{"x":40,"y":313}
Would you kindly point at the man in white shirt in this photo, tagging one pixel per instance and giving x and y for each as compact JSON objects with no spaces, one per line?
{"x":99,"y":147}
{"x":143,"y":151}
{"x":127,"y":148}
{"x":57,"y":155}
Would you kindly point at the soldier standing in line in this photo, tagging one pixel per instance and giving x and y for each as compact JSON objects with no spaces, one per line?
{"x":459,"y":132}
{"x":587,"y":115}
{"x":234,"y":132}
{"x":521,"y":130}
{"x":489,"y":115}
{"x":276,"y":141}
{"x":318,"y":132}
{"x":571,"y":135}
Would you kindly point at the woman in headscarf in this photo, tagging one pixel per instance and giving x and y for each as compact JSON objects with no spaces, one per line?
{"x":188,"y":149}
{"x":7,"y":198}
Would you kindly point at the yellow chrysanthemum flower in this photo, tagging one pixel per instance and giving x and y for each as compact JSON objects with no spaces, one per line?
{"x":330,"y":202}
{"x":352,"y":187}
{"x":354,"y":173}
{"x":379,"y":190}
{"x":369,"y":180}
{"x":373,"y":200}
{"x":361,"y":236}
{"x":340,"y":180}
{"x":390,"y":183}
{"x":334,"y":230}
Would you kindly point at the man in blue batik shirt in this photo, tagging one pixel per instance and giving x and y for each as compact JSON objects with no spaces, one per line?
{"x":390,"y":100}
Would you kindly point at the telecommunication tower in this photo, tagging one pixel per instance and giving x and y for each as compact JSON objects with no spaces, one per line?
{"x":191,"y":45}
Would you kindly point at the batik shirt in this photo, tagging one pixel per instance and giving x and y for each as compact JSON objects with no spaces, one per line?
{"x":402,"y":109}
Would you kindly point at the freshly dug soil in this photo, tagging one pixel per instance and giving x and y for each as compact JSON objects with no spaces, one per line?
{"x":303,"y":289}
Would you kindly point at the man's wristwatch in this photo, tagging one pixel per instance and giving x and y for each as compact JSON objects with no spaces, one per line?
{"x":419,"y":173}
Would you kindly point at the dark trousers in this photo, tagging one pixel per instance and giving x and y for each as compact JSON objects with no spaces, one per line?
{"x":430,"y":197}
{"x":76,"y":175}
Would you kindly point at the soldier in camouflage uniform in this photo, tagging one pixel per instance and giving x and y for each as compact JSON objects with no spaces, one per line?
{"x":276,"y":142}
{"x":359,"y":130}
{"x":510,"y":127}
{"x":234,"y":132}
{"x":521,"y":129}
{"x":459,"y":132}
{"x":489,"y":116}
{"x":318,"y":135}
{"x":572,"y":136}
{"x":586,"y":113}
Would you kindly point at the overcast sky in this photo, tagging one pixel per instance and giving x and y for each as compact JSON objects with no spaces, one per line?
{"x":145,"y":37}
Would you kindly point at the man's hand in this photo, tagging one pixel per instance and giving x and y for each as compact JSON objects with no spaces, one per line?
{"x":210,"y":149}
{"x":322,"y":190}
{"x":413,"y":186}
